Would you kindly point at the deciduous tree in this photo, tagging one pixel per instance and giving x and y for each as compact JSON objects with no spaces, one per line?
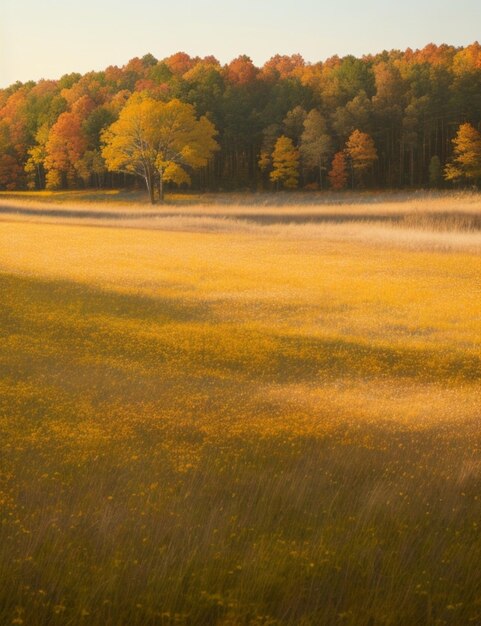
{"x":269,"y":137}
{"x":34,"y":167}
{"x":338,"y":172}
{"x":293,"y":124}
{"x":362,"y":153}
{"x":355,"y":114}
{"x":315,"y":143}
{"x":241,"y":71}
{"x":158,"y":141}
{"x":65,"y":146}
{"x":10,"y":172}
{"x":466,"y":161}
{"x":91,"y":165}
{"x":285,"y":163}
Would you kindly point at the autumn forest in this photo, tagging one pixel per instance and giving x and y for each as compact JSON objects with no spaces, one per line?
{"x":392,"y":120}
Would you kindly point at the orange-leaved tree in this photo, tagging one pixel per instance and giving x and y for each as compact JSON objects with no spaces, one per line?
{"x":362,"y":153}
{"x":285,"y":163}
{"x":466,"y":161}
{"x":65,"y":146}
{"x":158,"y":141}
{"x":338,"y":172}
{"x":10,"y":170}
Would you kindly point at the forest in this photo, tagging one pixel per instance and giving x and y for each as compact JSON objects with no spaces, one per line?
{"x":391,"y":120}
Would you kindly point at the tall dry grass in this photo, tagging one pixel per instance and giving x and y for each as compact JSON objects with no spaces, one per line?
{"x":421,"y":220}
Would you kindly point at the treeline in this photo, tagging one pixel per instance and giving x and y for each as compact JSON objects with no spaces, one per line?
{"x":405,"y":108}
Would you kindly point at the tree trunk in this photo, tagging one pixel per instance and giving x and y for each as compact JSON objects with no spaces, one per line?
{"x":401,"y":163}
{"x":150,"y":189}
{"x":40,"y":179}
{"x":411,"y":167}
{"x":161,"y":186}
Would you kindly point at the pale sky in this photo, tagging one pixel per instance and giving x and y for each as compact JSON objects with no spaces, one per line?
{"x":48,"y":38}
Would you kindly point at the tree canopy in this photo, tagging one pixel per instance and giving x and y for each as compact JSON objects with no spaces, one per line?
{"x":316,"y":143}
{"x":410,"y":104}
{"x":158,"y":141}
{"x":338,"y":173}
{"x":362,"y":153}
{"x":285,"y":163}
{"x":466,"y":160}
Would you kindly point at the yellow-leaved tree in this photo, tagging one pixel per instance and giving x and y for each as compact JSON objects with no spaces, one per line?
{"x":285,"y":163}
{"x":466,"y":160}
{"x":158,"y":141}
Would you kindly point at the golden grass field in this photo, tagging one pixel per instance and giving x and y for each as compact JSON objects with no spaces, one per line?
{"x":248,"y":410}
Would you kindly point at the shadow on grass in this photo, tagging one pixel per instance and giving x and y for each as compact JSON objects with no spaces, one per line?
{"x":80,"y":322}
{"x":40,"y":294}
{"x":120,"y":516}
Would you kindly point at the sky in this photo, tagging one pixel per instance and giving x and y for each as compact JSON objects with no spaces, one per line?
{"x":49,"y":38}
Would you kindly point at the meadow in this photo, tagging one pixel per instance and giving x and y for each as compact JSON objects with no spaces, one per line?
{"x":245,"y":410}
